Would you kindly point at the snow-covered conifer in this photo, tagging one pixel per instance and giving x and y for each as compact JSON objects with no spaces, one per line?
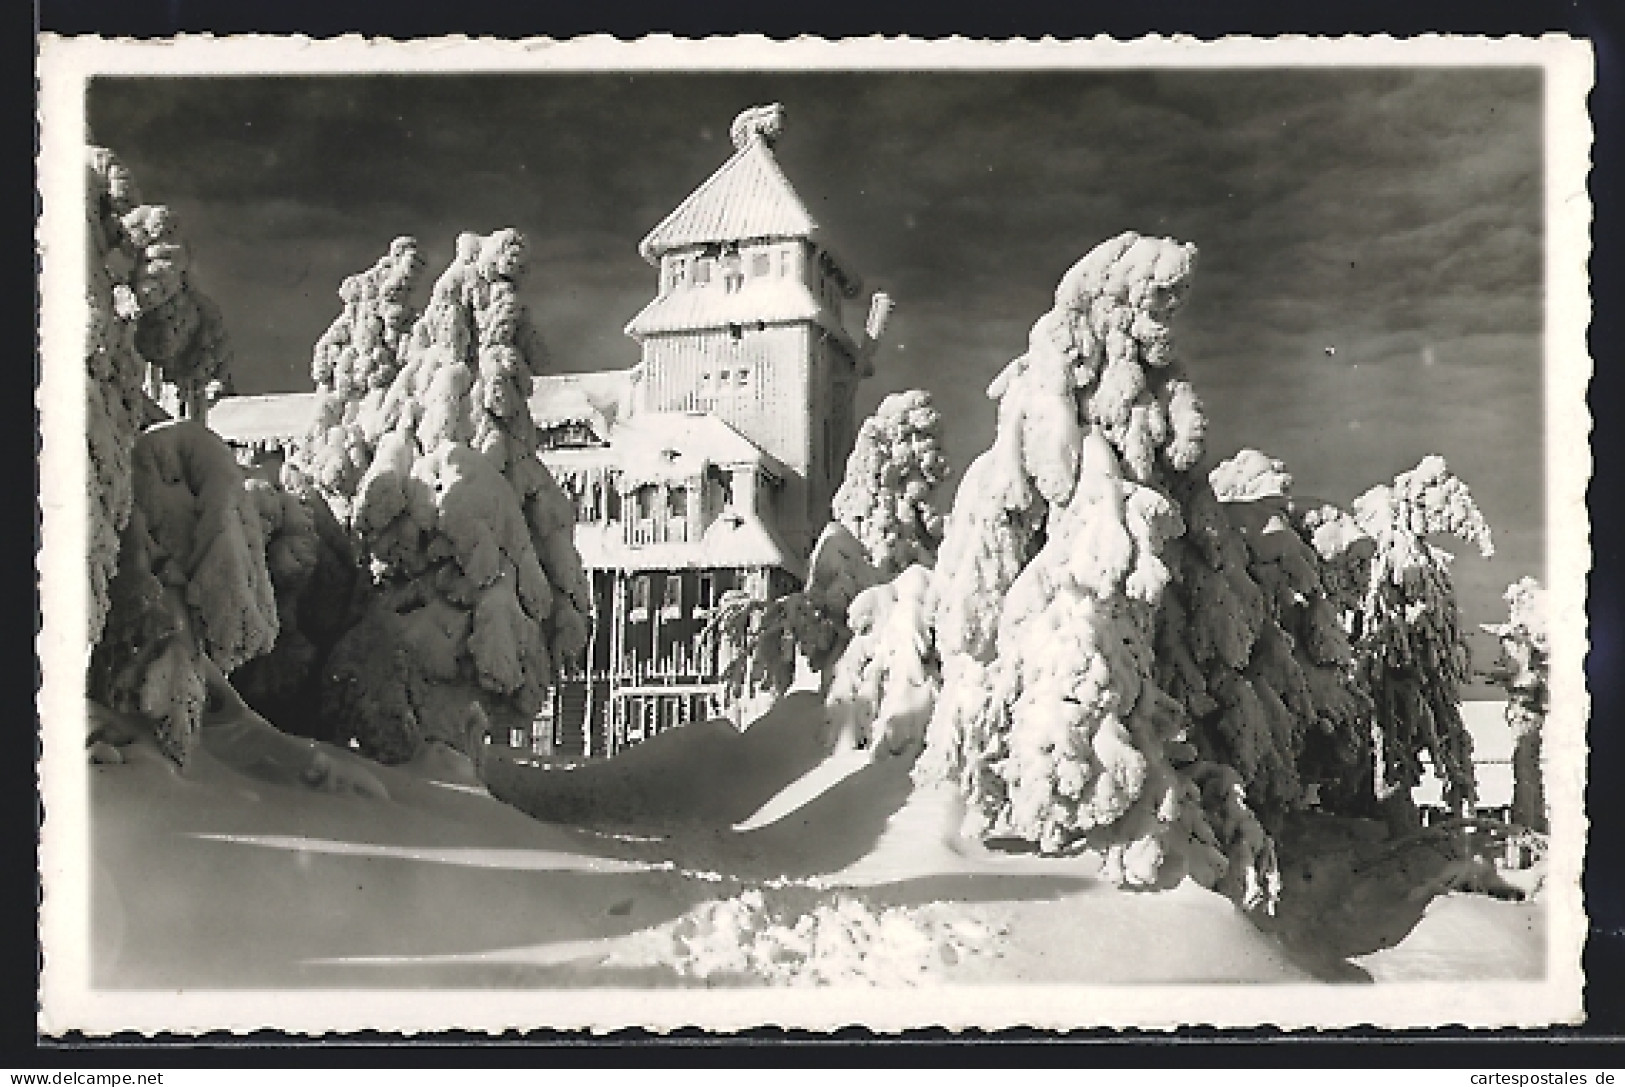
{"x":1293,"y":677}
{"x":480,"y":596}
{"x":1050,"y":584}
{"x":117,"y":407}
{"x":887,"y":499}
{"x":192,"y":598}
{"x":1410,"y":653}
{"x":353,"y":364}
{"x":178,"y":328}
{"x":1525,"y":672}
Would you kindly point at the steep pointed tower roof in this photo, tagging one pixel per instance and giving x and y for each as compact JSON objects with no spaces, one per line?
{"x":748,"y":197}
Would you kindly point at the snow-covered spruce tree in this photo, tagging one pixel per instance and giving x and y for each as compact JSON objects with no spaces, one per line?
{"x":1410,"y":653}
{"x":1525,"y":672}
{"x":1296,"y":675}
{"x":192,"y":598}
{"x":178,"y":328}
{"x":117,"y":407}
{"x":353,"y":364}
{"x":880,"y":692}
{"x":888,"y":497}
{"x":478,"y":592}
{"x":1050,"y":584}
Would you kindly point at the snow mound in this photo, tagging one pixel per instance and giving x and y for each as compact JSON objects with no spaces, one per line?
{"x":842,"y":942}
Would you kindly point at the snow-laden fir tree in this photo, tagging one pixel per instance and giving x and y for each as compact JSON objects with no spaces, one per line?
{"x":1053,"y":590}
{"x":888,"y":497}
{"x":479,"y":595}
{"x":1297,"y":676}
{"x":178,"y":328}
{"x":192,"y":598}
{"x":116,"y":404}
{"x":353,"y":364}
{"x":1410,"y":652}
{"x":1524,"y":670}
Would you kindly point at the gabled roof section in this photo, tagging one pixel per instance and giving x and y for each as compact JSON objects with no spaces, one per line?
{"x":747,"y":198}
{"x":647,"y":441}
{"x":738,"y":540}
{"x":772,"y":302}
{"x":595,"y":399}
{"x":270,"y":421}
{"x":667,"y":446}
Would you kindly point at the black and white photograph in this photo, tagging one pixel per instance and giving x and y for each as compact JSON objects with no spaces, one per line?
{"x":899,"y":534}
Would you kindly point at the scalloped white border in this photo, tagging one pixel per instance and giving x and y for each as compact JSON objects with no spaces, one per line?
{"x":69,"y":1003}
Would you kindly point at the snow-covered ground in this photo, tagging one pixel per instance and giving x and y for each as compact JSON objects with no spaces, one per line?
{"x":703,"y":857}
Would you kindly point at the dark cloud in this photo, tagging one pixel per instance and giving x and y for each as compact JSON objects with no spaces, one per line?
{"x":1392,"y":215}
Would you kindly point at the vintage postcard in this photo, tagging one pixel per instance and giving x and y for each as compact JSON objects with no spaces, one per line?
{"x":594,"y":534}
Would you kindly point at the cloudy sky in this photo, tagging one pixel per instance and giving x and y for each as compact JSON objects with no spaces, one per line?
{"x":1369,"y":289}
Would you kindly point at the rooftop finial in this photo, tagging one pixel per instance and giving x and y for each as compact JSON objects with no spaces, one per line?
{"x":757,"y":123}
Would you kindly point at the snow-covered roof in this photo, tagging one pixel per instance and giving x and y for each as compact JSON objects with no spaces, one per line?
{"x":261,"y":422}
{"x":595,"y":398}
{"x":1492,"y":757}
{"x":655,"y":447}
{"x":747,"y":198}
{"x":771,"y":301}
{"x":735,"y":539}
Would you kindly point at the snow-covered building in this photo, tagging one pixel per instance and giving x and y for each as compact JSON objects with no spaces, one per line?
{"x":710,"y":464}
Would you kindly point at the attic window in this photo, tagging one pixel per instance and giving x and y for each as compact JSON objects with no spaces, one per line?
{"x":702,"y":272}
{"x":761,"y":264}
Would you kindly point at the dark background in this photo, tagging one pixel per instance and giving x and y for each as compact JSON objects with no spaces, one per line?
{"x":1599,"y":20}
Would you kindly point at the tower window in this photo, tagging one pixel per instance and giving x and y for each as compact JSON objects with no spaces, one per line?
{"x":733,"y":269}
